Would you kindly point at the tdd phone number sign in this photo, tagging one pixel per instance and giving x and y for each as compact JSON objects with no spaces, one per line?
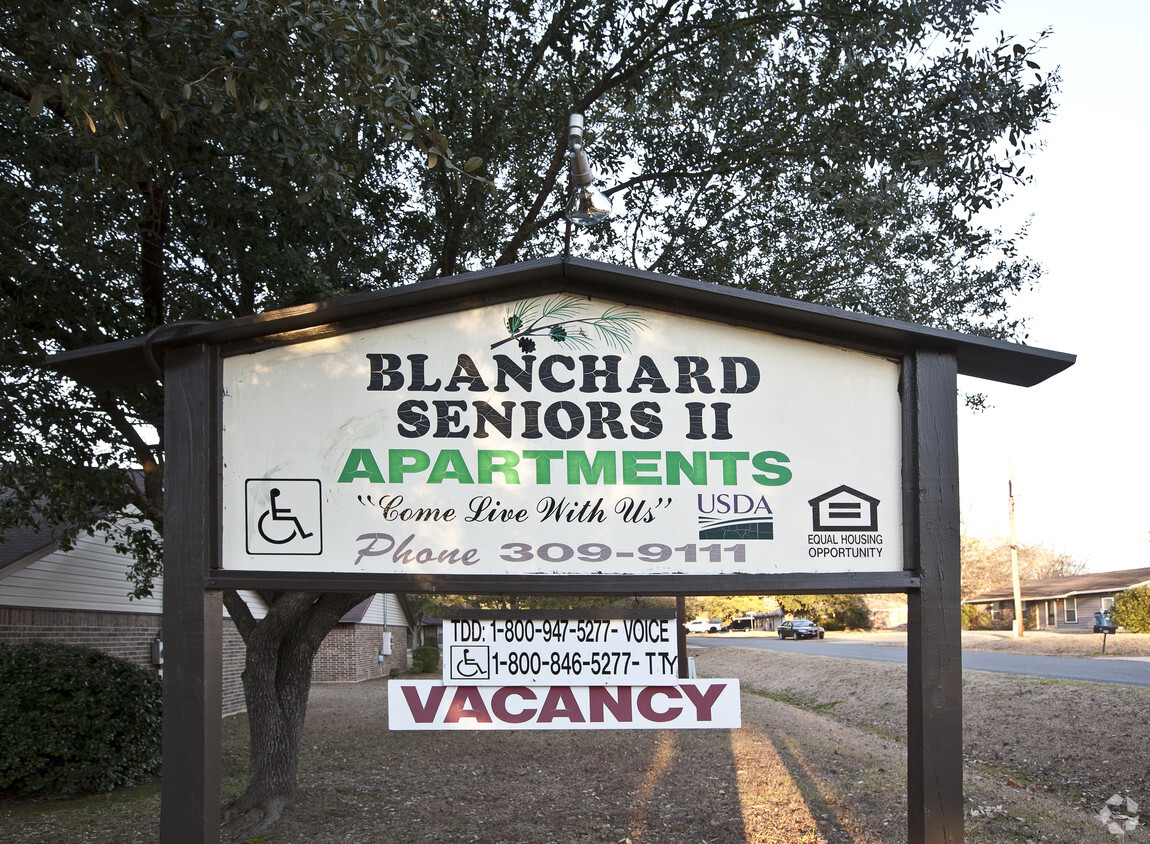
{"x":515,"y":648}
{"x":561,"y":436}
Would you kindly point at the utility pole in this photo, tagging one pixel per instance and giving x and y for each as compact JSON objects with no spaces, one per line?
{"x":1018,"y":620}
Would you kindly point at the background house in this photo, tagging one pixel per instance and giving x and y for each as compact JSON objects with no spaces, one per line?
{"x":80,"y":597}
{"x":887,"y":612}
{"x":1062,"y":603}
{"x":758,"y":620}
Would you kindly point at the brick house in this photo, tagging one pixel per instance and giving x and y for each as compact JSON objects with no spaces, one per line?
{"x":80,"y":597}
{"x":1062,"y":603}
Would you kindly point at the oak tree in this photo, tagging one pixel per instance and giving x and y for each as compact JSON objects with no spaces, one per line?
{"x":986,"y":563}
{"x":172,"y":161}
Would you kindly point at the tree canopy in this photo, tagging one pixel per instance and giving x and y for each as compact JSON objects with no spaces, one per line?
{"x":188,"y":161}
{"x":986,"y":564}
{"x":836,"y":612}
{"x":167,"y":162}
{"x":832,"y":152}
{"x":172,"y":161}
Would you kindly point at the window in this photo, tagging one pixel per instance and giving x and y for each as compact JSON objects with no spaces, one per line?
{"x":1071,"y":614}
{"x":1107,"y":604}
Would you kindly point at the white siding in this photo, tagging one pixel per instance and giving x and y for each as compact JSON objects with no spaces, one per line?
{"x":385,"y":609}
{"x":255,"y":603}
{"x":92,"y":576}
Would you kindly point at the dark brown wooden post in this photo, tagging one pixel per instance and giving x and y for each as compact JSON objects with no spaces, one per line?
{"x":934,"y":654}
{"x":193,"y":618}
{"x":681,"y":635}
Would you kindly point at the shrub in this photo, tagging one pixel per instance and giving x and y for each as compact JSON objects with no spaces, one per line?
{"x":425,"y":659}
{"x":975,"y":617}
{"x":834,"y":612}
{"x":1132,"y":610}
{"x":75,"y":719}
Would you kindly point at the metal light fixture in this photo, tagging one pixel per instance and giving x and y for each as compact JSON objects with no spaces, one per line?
{"x":586,"y":204}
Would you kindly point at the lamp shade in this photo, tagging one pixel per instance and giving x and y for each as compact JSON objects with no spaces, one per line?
{"x":586,"y":204}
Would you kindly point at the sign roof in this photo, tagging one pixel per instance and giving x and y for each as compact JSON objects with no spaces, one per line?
{"x":128,"y":361}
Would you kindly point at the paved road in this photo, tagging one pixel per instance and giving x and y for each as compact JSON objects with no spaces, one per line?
{"x":1124,"y":672}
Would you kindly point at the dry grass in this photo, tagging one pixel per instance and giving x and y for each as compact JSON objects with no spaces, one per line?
{"x":819,"y":759}
{"x":1035,"y":642}
{"x":1040,"y":642}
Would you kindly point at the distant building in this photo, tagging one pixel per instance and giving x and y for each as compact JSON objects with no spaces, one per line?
{"x":1062,"y":603}
{"x":887,"y":612}
{"x":757,"y":621}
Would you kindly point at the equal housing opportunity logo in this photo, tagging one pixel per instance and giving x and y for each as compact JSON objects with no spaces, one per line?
{"x":844,"y":509}
{"x":844,"y":524}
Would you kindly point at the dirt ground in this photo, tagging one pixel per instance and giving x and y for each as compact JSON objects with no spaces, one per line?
{"x":820,"y":759}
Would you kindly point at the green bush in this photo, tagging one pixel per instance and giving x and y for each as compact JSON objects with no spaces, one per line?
{"x":1131,"y":610}
{"x":75,"y":719}
{"x":975,"y":617}
{"x":425,"y":659}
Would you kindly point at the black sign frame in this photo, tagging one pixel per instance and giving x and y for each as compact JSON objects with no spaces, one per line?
{"x":931,"y":360}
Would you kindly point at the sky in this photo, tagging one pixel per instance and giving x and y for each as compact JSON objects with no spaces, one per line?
{"x":1078,"y":445}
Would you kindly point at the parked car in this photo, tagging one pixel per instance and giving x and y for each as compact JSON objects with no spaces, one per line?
{"x":800,"y":628}
{"x":705,"y":625}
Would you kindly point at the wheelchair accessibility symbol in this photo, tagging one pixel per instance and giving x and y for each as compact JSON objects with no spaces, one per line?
{"x":469,"y":663}
{"x":284,"y":516}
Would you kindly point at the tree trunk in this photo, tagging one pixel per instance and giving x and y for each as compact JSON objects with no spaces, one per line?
{"x":154,"y":225}
{"x":281,"y":648}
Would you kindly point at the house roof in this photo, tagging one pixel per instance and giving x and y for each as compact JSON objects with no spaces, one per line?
{"x":405,"y":605}
{"x":133,"y":361}
{"x":1067,"y":587}
{"x":28,"y":543}
{"x":357,"y":612}
{"x":24,"y":545}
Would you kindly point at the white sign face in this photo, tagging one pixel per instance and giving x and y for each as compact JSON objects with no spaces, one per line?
{"x":559,"y":651}
{"x":561,"y":436}
{"x":684,"y":704}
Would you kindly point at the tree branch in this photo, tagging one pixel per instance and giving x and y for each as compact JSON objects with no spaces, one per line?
{"x":241,"y":614}
{"x":327,"y":611}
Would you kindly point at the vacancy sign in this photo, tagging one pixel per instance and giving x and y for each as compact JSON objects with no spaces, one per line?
{"x":684,"y":704}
